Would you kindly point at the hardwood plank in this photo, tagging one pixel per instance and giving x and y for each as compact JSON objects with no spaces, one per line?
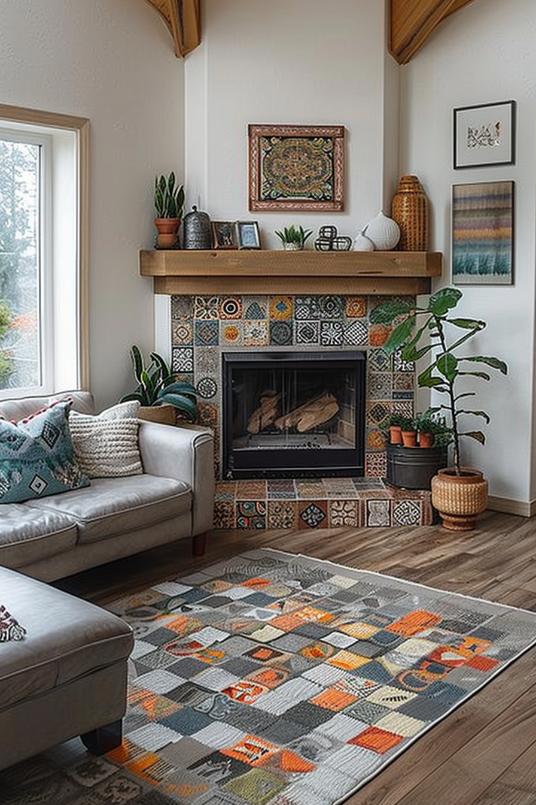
{"x":295,"y":285}
{"x":517,"y":785}
{"x":414,"y":21}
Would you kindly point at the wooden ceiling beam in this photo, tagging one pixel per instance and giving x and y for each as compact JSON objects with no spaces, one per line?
{"x":413,"y":21}
{"x":183,"y":20}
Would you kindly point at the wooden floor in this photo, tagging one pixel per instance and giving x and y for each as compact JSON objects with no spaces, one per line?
{"x":485,"y":752}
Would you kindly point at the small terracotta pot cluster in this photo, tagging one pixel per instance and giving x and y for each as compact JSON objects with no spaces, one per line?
{"x":410,"y":438}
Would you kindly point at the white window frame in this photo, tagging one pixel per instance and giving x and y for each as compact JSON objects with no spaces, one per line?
{"x":45,"y":266}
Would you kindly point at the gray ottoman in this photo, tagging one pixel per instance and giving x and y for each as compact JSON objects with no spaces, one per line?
{"x":67,"y":677}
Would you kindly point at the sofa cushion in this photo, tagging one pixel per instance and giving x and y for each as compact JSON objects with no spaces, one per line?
{"x":66,"y":638}
{"x":112,"y":506}
{"x":30,"y":534}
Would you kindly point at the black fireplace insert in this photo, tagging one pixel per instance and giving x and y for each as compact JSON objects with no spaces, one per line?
{"x":293,"y":414}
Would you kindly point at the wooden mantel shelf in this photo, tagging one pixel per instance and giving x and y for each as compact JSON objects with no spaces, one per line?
{"x":279,"y":272}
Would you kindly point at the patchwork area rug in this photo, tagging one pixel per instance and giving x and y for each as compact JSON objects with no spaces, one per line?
{"x":275,"y":679}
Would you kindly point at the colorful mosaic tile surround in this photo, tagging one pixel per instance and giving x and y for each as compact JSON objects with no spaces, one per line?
{"x":202,"y":327}
{"x":275,"y":679}
{"x":318,"y":503}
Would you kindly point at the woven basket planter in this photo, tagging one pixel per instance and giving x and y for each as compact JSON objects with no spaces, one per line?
{"x":459,"y":499}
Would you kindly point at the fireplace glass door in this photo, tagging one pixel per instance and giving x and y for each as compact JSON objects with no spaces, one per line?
{"x":293,"y":414}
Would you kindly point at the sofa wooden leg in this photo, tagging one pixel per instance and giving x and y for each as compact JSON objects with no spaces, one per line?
{"x":199,"y":544}
{"x":103,"y":739}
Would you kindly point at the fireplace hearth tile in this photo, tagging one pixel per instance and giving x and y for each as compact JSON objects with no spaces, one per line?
{"x":251,"y":514}
{"x":182,"y":308}
{"x":378,"y":513}
{"x":207,"y":333}
{"x":376,"y":465}
{"x":281,"y":307}
{"x":306,"y":307}
{"x":255,"y":307}
{"x":337,"y":488}
{"x":284,"y":488}
{"x":407,"y":512}
{"x":378,"y":334}
{"x":182,"y":334}
{"x":226,"y":491}
{"x":344,"y":514}
{"x":251,"y":490}
{"x":207,"y":362}
{"x":206,"y":307}
{"x":231,"y":333}
{"x":331,"y":307}
{"x":356,"y":307}
{"x":401,"y":365}
{"x":282,"y":514}
{"x":331,"y":333}
{"x":356,"y":333}
{"x":207,"y":388}
{"x":379,"y":360}
{"x":309,"y":490}
{"x":380,"y":386}
{"x":182,"y":359}
{"x":307,"y":332}
{"x":377,"y":411}
{"x":313,"y":514}
{"x":208,"y":414}
{"x":375,"y":439}
{"x":281,"y":333}
{"x":230,"y":307}
{"x":256,"y":333}
{"x":224,"y":514}
{"x":403,"y":395}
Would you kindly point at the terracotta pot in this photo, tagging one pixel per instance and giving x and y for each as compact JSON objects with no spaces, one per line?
{"x":164,"y":414}
{"x":426,"y":440}
{"x":167,"y":232}
{"x":410,"y":211}
{"x":395,"y":434}
{"x":459,"y":499}
{"x":409,"y":438}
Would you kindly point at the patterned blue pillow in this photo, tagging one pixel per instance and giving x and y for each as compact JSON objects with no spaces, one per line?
{"x":37,"y":457}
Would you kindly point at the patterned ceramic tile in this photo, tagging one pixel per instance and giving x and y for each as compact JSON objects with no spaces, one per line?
{"x":306,"y":307}
{"x":407,"y":512}
{"x":251,"y":490}
{"x":307,"y":332}
{"x":281,"y":307}
{"x":207,"y":333}
{"x":356,"y":333}
{"x":281,"y":333}
{"x":230,"y":307}
{"x":403,"y":381}
{"x":331,"y":333}
{"x":313,"y":514}
{"x":207,"y":362}
{"x":379,"y":385}
{"x":207,"y":388}
{"x":231,"y":333}
{"x":344,"y":514}
{"x":401,"y":365}
{"x":224,"y":514}
{"x":310,"y":489}
{"x":255,"y":307}
{"x":281,"y":489}
{"x":342,"y":488}
{"x":182,"y":307}
{"x":182,"y":359}
{"x":376,"y":465}
{"x":251,"y":514}
{"x":182,"y":334}
{"x":378,"y":334}
{"x":226,"y":491}
{"x":331,"y":307}
{"x":356,"y":307}
{"x":208,"y":414}
{"x":375,"y":439}
{"x":378,"y":513}
{"x":379,"y":360}
{"x":206,"y":307}
{"x":282,"y":514}
{"x":256,"y":333}
{"x":377,"y":411}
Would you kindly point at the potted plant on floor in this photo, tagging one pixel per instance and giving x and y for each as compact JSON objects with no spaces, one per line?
{"x":169,"y":204}
{"x":294,"y":238}
{"x":459,"y":493}
{"x":411,"y":468}
{"x":163,"y":399}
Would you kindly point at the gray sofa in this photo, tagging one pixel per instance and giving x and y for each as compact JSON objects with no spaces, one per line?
{"x":57,"y":536}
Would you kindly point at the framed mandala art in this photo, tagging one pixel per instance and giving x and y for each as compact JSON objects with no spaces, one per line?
{"x":296,"y":168}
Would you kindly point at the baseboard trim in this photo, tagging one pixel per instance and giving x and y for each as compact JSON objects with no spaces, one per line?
{"x":522,"y":508}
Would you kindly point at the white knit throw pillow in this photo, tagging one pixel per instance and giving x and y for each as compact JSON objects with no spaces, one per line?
{"x":106,"y":446}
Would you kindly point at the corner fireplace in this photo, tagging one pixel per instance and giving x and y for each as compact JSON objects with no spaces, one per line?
{"x":293,"y":414}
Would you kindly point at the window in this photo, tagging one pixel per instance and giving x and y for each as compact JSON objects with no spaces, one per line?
{"x":43,"y":232}
{"x":25,"y":271}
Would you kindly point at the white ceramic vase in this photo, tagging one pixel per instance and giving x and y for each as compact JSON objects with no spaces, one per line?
{"x":383,"y":232}
{"x":363,"y":244}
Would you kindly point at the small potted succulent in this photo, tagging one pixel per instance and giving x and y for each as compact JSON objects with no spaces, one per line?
{"x":163,"y":399}
{"x":294,"y":238}
{"x":169,"y":204}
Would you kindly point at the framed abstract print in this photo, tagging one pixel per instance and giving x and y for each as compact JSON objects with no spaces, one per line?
{"x":298,"y":168}
{"x":485,"y":135}
{"x":483,"y":233}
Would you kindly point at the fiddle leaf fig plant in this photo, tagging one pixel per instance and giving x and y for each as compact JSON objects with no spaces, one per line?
{"x":436,"y":332}
{"x":158,"y":386}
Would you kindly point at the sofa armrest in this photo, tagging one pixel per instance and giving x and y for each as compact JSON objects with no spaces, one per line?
{"x":185,"y":454}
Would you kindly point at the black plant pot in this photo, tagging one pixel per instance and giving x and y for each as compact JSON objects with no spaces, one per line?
{"x":414,"y":467}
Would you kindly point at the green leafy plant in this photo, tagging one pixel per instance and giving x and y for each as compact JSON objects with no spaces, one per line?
{"x":430,"y":422}
{"x":294,"y":234}
{"x":158,"y":386}
{"x":168,"y":197}
{"x":434,"y":331}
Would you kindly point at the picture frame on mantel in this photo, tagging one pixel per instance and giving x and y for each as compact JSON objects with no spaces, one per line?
{"x":485,"y":135}
{"x":296,"y":168}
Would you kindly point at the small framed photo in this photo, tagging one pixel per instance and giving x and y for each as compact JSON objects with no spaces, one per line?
{"x":485,"y":135}
{"x":248,"y":235}
{"x":224,"y":235}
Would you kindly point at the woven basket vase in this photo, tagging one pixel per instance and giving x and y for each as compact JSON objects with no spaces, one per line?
{"x":459,"y":498}
{"x":410,"y":211}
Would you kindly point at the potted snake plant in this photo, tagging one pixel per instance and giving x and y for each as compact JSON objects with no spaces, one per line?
{"x":169,"y":204}
{"x":459,"y":492}
{"x":162,"y":398}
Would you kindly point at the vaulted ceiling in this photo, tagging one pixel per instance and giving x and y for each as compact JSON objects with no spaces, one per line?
{"x":412,"y":22}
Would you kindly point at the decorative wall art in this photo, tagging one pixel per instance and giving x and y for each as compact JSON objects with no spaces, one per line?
{"x":296,"y":168}
{"x":247,"y":235}
{"x":485,"y":135}
{"x":483,"y":233}
{"x":224,"y":235}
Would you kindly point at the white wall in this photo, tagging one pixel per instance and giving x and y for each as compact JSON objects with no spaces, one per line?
{"x":288,"y":61}
{"x":485,"y":55}
{"x":111,"y":61}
